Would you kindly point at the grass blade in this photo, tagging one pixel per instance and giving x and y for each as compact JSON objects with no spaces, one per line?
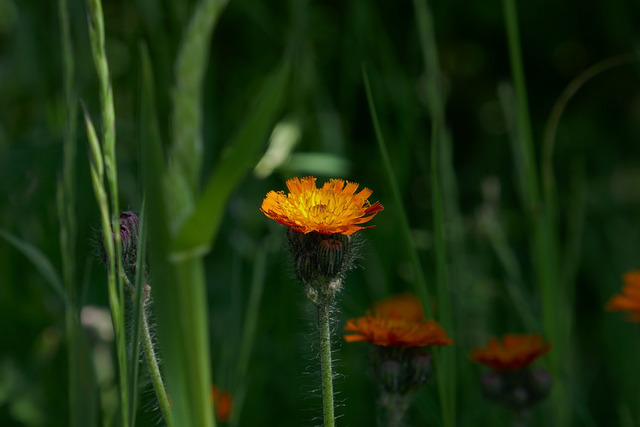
{"x":420,"y":283}
{"x":190,"y":71}
{"x":40,"y":261}
{"x":199,"y":230}
{"x":134,"y":358}
{"x":542,"y":215}
{"x":108,"y":241}
{"x":249,"y":331}
{"x":178,"y":289}
{"x":446,"y":370}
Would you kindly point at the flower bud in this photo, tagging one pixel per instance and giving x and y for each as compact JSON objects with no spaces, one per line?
{"x":539,"y":384}
{"x":305,"y":268}
{"x":420,"y":365}
{"x":332,"y":254}
{"x":391,"y":376}
{"x":296,"y":241}
{"x":129,"y":222}
{"x":400,"y":370}
{"x":493,"y":385}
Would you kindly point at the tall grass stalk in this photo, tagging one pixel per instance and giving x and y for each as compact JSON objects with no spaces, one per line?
{"x":82,"y":398}
{"x":446,"y":369}
{"x":104,"y":159}
{"x":179,"y":288}
{"x":541,"y":213}
{"x":444,"y":361}
{"x":420,"y":284}
{"x":451,"y":265}
{"x":191,"y":65}
{"x":115,"y":302}
{"x":249,"y":329}
{"x":138,"y":313}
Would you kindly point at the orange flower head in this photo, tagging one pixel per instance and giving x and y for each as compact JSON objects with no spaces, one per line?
{"x":334,"y":208}
{"x":629,"y":300}
{"x":406,"y":306}
{"x":513,"y":353}
{"x":222,"y":403}
{"x":396,"y":322}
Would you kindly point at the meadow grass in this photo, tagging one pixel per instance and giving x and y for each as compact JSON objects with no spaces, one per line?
{"x":180,"y":99}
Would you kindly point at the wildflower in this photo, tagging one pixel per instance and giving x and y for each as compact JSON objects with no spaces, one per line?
{"x":512,"y":381}
{"x":515,"y":352}
{"x":335,"y":208}
{"x":629,"y":300}
{"x":222,"y":403}
{"x":321,"y":223}
{"x":129,"y":223}
{"x":396,"y":331}
{"x":399,"y":356}
{"x":399,"y":322}
{"x":406,"y":306}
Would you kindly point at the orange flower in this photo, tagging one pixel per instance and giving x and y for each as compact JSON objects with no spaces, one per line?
{"x":629,"y":300}
{"x":406,"y":306}
{"x":515,"y":352}
{"x":222,"y":403}
{"x":397,"y":322}
{"x":334,"y":208}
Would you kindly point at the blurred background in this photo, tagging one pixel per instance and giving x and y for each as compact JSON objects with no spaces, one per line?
{"x":326,"y":131}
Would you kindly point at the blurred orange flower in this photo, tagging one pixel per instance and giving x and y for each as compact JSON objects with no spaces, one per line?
{"x":398,"y":322}
{"x":515,"y":352}
{"x":334,"y":208}
{"x":406,"y":306}
{"x":222,"y":403}
{"x":629,"y":300}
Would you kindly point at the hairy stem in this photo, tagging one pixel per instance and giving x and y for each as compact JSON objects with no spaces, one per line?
{"x":392,"y":408}
{"x":150,"y":353}
{"x":152,"y":362}
{"x":324,"y":308}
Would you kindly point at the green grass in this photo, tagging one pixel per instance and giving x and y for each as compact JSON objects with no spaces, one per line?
{"x":501,"y":141}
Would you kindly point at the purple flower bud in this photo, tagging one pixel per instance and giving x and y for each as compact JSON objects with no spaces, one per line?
{"x":493,"y":385}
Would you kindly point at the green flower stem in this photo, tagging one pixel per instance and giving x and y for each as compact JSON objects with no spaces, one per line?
{"x":150,"y":354}
{"x":324,"y":309}
{"x":152,"y":363}
{"x":392,"y":408}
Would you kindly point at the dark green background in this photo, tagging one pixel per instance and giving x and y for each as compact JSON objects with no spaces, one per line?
{"x":597,"y":146}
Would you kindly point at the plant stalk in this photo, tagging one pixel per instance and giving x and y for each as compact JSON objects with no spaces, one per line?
{"x":392,"y":408}
{"x":152,"y":362}
{"x":150,"y":353}
{"x":324,"y":309}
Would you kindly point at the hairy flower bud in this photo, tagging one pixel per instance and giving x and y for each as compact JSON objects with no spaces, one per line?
{"x":420,"y":365}
{"x":400,"y":370}
{"x":305,"y":268}
{"x":333,"y":254}
{"x":320,"y":261}
{"x":539,"y":383}
{"x":518,"y":390}
{"x":129,"y":222}
{"x":493,"y":385}
{"x":391,"y":376}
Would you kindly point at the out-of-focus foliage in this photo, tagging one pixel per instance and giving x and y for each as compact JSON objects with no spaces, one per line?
{"x":597,"y":154}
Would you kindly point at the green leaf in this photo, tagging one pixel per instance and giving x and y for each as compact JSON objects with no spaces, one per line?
{"x":199,"y":230}
{"x":40,"y":261}
{"x":190,"y":71}
{"x":134,"y":358}
{"x":178,"y":289}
